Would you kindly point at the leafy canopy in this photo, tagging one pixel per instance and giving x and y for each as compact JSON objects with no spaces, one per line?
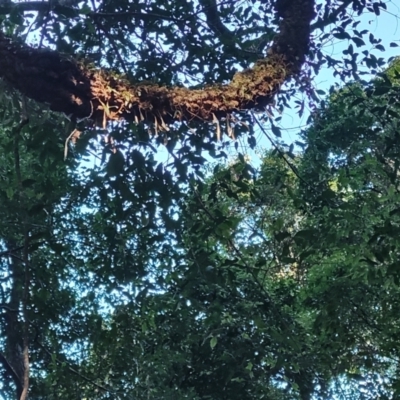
{"x":126,"y":275}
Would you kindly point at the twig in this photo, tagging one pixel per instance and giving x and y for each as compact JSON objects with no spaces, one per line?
{"x":74,"y":134}
{"x":114,"y":46}
{"x":280,"y":152}
{"x":74,"y":371}
{"x":331,"y":17}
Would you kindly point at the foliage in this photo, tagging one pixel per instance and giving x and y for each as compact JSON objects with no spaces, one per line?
{"x":141,"y":275}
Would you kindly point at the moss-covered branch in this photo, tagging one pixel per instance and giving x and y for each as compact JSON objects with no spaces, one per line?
{"x":78,"y":89}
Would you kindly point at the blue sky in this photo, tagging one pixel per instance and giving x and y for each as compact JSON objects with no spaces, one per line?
{"x":385,"y":26}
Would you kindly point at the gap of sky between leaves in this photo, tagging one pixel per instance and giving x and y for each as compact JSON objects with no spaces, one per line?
{"x":385,"y":27}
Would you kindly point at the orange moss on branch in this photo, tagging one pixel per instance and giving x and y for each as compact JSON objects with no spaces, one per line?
{"x":248,"y":89}
{"x":77,"y":89}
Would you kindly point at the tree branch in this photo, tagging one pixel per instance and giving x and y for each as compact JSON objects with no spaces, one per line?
{"x":6,"y":7}
{"x":227,"y":37}
{"x":331,"y":17}
{"x":214,"y":22}
{"x":10,"y":371}
{"x":74,"y":371}
{"x":85,"y":92}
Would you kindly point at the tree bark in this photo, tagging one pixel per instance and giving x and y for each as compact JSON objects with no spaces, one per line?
{"x":12,"y":358}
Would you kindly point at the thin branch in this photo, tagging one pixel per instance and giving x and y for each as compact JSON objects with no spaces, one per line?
{"x":8,"y":253}
{"x":227,"y":37}
{"x":280,"y":152}
{"x":114,"y":46}
{"x":43,"y":6}
{"x":8,"y":308}
{"x":74,"y":371}
{"x":139,"y":15}
{"x":214,"y":22}
{"x":331,"y":17}
{"x":8,"y":7}
{"x":268,"y":299}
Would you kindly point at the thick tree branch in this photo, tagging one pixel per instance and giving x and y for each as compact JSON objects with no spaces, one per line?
{"x":10,"y":371}
{"x":85,"y":92}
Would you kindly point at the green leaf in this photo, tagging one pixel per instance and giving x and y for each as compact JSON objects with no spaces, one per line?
{"x":359,"y":42}
{"x":16,"y":17}
{"x":28,"y":182}
{"x":213,"y":341}
{"x":275,"y":130}
{"x":116,"y":163}
{"x":342,"y":35}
